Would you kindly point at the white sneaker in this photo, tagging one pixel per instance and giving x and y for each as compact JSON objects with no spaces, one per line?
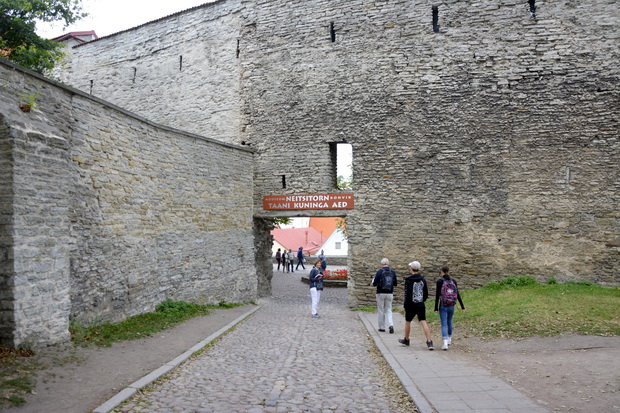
{"x":445,"y":345}
{"x":449,"y":340}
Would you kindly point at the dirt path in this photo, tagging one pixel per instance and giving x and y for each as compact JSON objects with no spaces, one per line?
{"x":565,"y":374}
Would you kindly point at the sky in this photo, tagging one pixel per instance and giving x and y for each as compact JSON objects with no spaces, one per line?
{"x":111,"y":16}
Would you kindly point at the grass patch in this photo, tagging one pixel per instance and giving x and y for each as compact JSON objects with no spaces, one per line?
{"x":16,"y":372}
{"x":522,"y":307}
{"x":19,"y":367}
{"x":167,"y":314}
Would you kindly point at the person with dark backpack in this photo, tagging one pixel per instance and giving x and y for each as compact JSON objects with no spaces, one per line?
{"x":385,"y":281}
{"x":446,"y":296}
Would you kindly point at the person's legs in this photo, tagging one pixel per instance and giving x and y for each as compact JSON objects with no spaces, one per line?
{"x":318,"y":300}
{"x":443,"y":316}
{"x":315,"y":303}
{"x":388,"y":311}
{"x":381,"y":312}
{"x":450,"y":315}
{"x":409,"y":312}
{"x":427,"y":331}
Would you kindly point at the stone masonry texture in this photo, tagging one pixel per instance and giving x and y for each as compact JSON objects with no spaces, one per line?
{"x":490,"y":145}
{"x":488,"y":141}
{"x":105,"y":215}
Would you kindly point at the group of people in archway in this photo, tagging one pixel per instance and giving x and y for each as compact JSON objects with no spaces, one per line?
{"x":286,"y":259}
{"x":416,"y":293}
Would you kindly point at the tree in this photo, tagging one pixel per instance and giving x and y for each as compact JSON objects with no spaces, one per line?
{"x":18,"y":40}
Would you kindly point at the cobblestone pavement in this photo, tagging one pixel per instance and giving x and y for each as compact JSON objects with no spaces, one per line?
{"x":279,"y":360}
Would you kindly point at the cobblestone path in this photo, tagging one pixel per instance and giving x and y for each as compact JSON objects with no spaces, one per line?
{"x":279,"y":360}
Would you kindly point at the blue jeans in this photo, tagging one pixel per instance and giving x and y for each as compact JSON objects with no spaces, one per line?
{"x":446,"y":314}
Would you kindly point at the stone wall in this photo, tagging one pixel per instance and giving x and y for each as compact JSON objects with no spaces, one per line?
{"x":488,"y":142}
{"x":181,"y":70}
{"x":490,"y":145}
{"x":105,"y":214}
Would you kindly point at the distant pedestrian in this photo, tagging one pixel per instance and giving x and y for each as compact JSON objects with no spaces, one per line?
{"x":291,"y":259}
{"x":279,"y":258}
{"x":300,"y":258}
{"x":446,"y":296}
{"x":323,"y":259}
{"x":416,"y":292}
{"x":316,"y":286}
{"x":284,"y":261}
{"x":385,"y":281}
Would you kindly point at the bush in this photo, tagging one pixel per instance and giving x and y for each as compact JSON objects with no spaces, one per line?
{"x":511,"y":282}
{"x":170,"y":306}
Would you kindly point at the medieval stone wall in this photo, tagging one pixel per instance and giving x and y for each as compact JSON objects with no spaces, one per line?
{"x":489,"y":145}
{"x":105,"y":214}
{"x":180,"y":71}
{"x":486,"y":139}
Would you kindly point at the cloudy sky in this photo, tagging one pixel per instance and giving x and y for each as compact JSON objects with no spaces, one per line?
{"x":111,"y":16}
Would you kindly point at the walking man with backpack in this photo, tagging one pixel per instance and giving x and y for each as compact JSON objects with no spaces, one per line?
{"x":416,"y":292}
{"x":446,"y":295}
{"x":385,"y":281}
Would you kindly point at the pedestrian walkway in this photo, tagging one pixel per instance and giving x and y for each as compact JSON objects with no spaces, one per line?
{"x":439,"y":382}
{"x":279,"y":359}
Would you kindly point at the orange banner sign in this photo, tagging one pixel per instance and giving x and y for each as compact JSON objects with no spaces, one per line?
{"x":319,"y":201}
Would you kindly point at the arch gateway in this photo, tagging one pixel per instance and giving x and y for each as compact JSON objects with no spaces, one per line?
{"x":484,"y":137}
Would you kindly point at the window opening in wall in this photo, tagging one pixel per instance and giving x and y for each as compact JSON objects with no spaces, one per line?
{"x":532,"y":4}
{"x":343,"y":162}
{"x":332,"y":32}
{"x":92,"y":82}
{"x":180,"y":63}
{"x":436,"y":19}
{"x":238,"y":51}
{"x":283,"y":181}
{"x":135,"y":69}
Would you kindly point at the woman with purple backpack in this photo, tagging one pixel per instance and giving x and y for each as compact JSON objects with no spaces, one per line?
{"x":446,"y":296}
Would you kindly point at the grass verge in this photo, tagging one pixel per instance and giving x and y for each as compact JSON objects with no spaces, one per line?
{"x":519,"y":307}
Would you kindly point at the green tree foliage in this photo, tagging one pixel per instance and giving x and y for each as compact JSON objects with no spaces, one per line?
{"x":18,"y":39}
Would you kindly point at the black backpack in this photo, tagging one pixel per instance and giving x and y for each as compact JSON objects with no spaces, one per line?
{"x":387,"y":280}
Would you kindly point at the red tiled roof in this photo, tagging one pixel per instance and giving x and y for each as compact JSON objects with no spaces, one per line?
{"x":292,"y":238}
{"x":75,"y":35}
{"x":324,"y":225}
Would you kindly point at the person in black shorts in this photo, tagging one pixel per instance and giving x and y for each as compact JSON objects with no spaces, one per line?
{"x":416,"y":292}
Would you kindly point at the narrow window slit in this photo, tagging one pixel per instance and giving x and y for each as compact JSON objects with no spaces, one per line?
{"x":283,"y":181}
{"x":238,"y":51}
{"x":92,"y":82}
{"x":180,"y":63}
{"x":436,"y":19}
{"x":532,"y":4}
{"x":332,"y":32}
{"x":135,"y":69}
